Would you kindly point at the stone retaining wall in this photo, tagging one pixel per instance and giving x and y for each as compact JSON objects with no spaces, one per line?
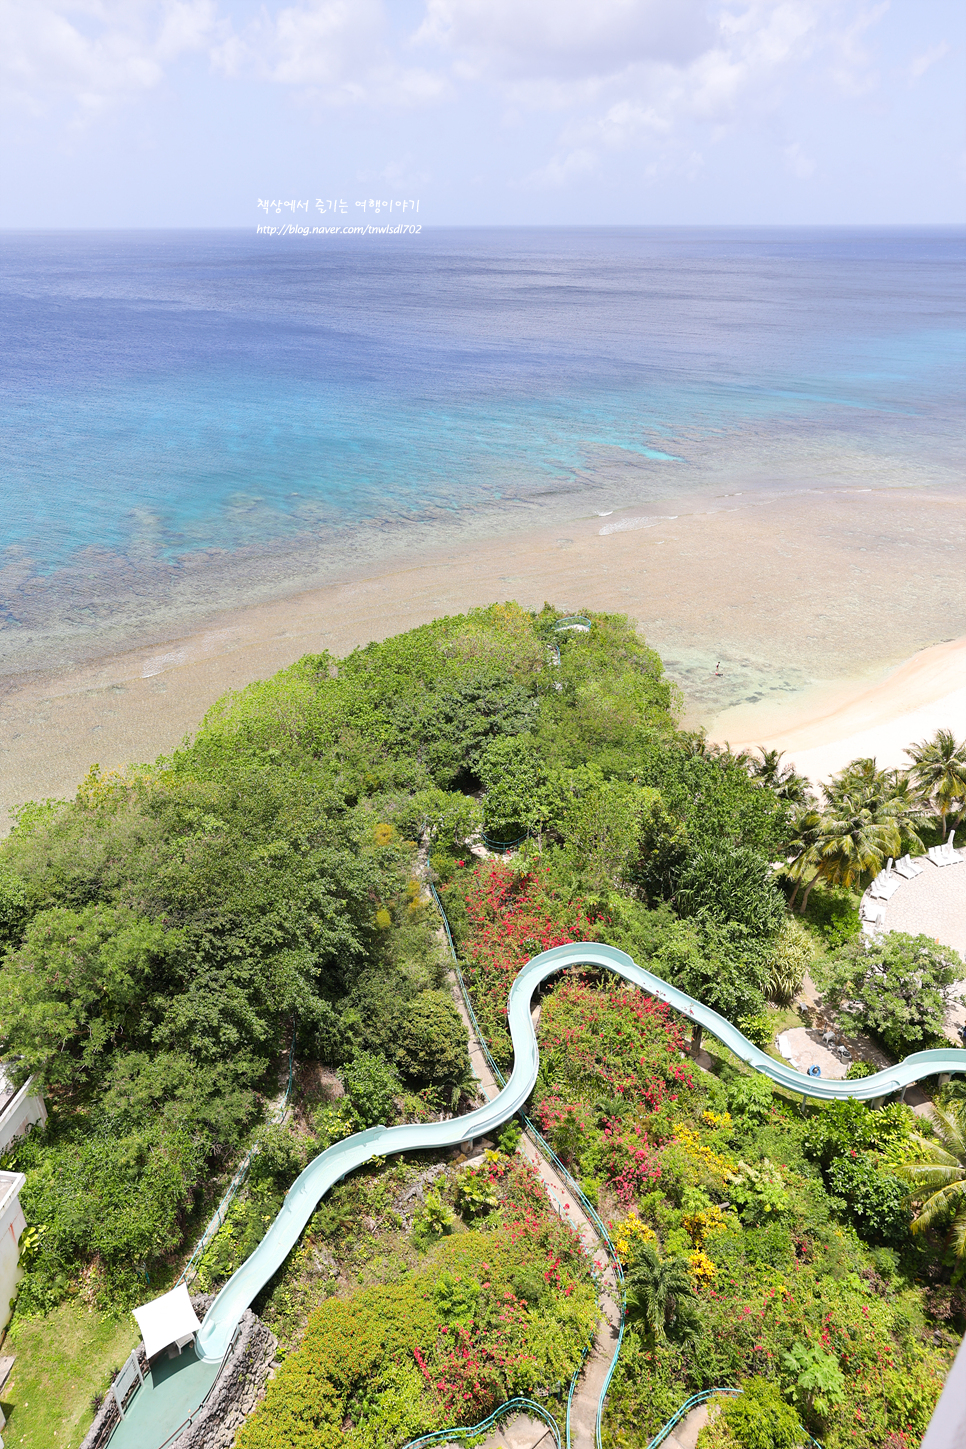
{"x":236,"y":1391}
{"x":233,"y":1394}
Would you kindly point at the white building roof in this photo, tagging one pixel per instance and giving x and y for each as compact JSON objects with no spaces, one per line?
{"x":166,"y":1320}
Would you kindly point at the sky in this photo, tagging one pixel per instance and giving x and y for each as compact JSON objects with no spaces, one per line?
{"x":190,"y":113}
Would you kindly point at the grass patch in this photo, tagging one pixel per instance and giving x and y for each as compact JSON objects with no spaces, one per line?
{"x":832,"y":914}
{"x":63,"y":1360}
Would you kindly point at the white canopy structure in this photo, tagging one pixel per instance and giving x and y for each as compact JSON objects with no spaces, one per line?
{"x":167,"y":1321}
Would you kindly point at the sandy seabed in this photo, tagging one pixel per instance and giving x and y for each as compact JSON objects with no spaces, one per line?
{"x":789,"y":619}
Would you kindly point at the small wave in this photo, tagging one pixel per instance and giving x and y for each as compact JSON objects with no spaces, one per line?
{"x":627,"y":525}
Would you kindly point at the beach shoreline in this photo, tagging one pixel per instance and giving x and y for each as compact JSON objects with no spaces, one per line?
{"x":745,"y":579}
{"x":831,"y":725}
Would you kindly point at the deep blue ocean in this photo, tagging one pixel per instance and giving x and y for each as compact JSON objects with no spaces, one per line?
{"x":181,"y":397}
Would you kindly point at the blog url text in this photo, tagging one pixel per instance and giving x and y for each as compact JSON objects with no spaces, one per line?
{"x":403,"y":229}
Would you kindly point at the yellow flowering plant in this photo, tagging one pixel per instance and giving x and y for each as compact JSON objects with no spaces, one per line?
{"x":705,"y":1224}
{"x":688,"y":1139}
{"x":701,"y":1268}
{"x":629,"y":1233}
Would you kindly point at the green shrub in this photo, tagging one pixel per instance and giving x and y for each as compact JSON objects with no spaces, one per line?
{"x":789,"y":956}
{"x":371,"y":1085}
{"x":718,"y":963}
{"x":873,"y":1201}
{"x":834,"y":910}
{"x":757,"y":1028}
{"x":434,"y":1218}
{"x":733,"y":884}
{"x":897,"y":987}
{"x":759,"y":1192}
{"x":432,"y":1039}
{"x":839,"y":1127}
{"x":751,"y":1098}
{"x":817,"y":1384}
{"x":508,"y":1139}
{"x":759,"y":1417}
{"x":475,"y":1194}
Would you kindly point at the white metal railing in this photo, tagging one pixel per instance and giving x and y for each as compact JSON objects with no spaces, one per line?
{"x":130,"y":1373}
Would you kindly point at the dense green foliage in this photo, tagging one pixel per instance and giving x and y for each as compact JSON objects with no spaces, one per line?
{"x":168,"y":930}
{"x":501,"y":1304}
{"x":171,"y":932}
{"x":898,"y":988}
{"x":758,"y":1418}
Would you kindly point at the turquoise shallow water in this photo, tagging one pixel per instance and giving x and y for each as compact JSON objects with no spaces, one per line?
{"x":175,"y":403}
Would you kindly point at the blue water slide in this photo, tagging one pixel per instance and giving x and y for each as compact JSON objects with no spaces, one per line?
{"x":333,"y":1164}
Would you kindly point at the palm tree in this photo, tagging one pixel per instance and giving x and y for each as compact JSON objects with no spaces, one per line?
{"x":695,"y":743}
{"x":939,"y":771}
{"x":938,"y":1181}
{"x":802,"y":840}
{"x":466,"y":1088}
{"x":782,"y":779}
{"x":657,"y":1292}
{"x":869,"y":815}
{"x":854,"y":839}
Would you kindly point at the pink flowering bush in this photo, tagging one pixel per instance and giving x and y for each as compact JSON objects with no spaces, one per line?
{"x":509,"y":918}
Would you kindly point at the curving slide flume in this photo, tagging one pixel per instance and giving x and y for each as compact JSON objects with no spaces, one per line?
{"x":333,"y":1164}
{"x":188,"y":1392}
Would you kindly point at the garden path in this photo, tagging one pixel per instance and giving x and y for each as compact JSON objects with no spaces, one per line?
{"x":521,"y":1432}
{"x":934,"y":904}
{"x":685,"y":1436}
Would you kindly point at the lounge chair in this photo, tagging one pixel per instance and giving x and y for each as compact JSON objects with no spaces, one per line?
{"x":885,"y":885}
{"x":871,"y":913}
{"x":908,"y":868}
{"x":945,"y":854}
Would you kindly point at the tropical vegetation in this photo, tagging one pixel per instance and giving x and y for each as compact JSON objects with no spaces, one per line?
{"x":936,"y":1177}
{"x":181,"y":932}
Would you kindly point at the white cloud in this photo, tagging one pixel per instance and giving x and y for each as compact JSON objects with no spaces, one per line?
{"x":929,"y":57}
{"x":797,"y":162}
{"x":96,"y":51}
{"x":561,"y":170}
{"x":663,"y":78}
{"x":852,"y":67}
{"x":400,"y":175}
{"x":566,"y":38}
{"x":656,"y":106}
{"x":625,"y":121}
{"x":338,"y":51}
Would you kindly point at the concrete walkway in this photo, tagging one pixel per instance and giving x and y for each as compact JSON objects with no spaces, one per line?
{"x":933,"y":904}
{"x":685,"y":1436}
{"x":522,"y":1432}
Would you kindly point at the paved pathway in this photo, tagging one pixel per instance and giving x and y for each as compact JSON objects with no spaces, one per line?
{"x":685,"y":1436}
{"x":934,"y":904}
{"x":522,"y":1432}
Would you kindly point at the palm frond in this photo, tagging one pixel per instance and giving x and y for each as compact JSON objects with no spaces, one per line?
{"x":957,"y":1236}
{"x":936,"y":1206}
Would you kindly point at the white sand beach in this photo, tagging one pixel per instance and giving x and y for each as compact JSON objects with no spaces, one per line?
{"x":746,"y":581}
{"x":856,"y":719}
